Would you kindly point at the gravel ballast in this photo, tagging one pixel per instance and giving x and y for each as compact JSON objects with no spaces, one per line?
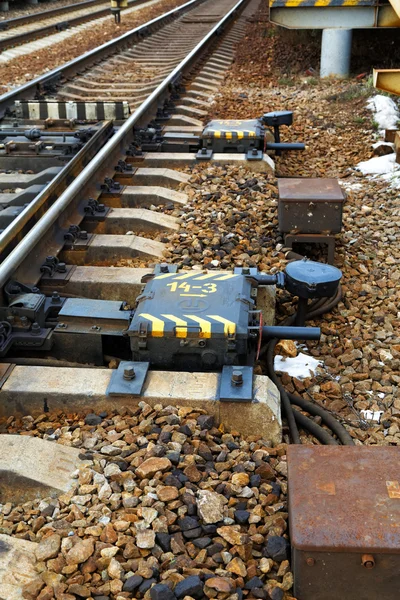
{"x":167,"y":505}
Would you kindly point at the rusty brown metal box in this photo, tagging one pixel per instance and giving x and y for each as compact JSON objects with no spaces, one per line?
{"x":310,"y":205}
{"x":344,"y":519}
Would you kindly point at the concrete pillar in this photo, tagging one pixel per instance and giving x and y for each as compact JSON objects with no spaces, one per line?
{"x":336,"y":53}
{"x":4,"y":7}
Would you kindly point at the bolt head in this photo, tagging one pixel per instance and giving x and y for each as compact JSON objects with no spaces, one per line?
{"x":310,"y":561}
{"x":237,"y":377}
{"x":129,"y":373}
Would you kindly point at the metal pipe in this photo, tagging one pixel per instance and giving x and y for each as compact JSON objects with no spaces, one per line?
{"x":263,"y":279}
{"x":291,"y":333}
{"x":27,"y":245}
{"x":285,"y":146}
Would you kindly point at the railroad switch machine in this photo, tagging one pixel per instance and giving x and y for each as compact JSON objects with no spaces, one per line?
{"x":195,"y":321}
{"x":252,"y":137}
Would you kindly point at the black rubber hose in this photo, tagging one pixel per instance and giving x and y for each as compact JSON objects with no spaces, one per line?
{"x":293,"y":416}
{"x":317,"y":308}
{"x":287,"y":407}
{"x":328,"y":419}
{"x":316,"y":430}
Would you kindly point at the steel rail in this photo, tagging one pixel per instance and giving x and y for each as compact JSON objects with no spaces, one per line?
{"x":84,"y":183}
{"x":27,"y":90}
{"x":46,"y":14}
{"x":10,"y":236}
{"x":26,"y":36}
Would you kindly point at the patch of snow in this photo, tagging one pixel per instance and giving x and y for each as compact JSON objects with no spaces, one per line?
{"x":379,"y":165}
{"x":392,"y":178}
{"x":348,"y":185}
{"x":372,"y":415}
{"x":386,"y":112}
{"x":382,"y":143}
{"x":301,"y":366}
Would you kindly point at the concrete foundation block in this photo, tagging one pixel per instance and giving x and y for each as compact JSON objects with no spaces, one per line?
{"x":23,"y":477}
{"x":17,"y":566}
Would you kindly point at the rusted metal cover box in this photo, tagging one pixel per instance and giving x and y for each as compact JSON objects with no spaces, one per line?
{"x":344,"y":518}
{"x":310,"y":205}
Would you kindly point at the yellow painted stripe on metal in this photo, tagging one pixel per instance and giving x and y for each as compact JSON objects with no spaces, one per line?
{"x":287,"y":4}
{"x":229,"y":326}
{"x":206,"y":276}
{"x":217,"y":134}
{"x":322,"y":2}
{"x":224,"y":277}
{"x":181,"y":332}
{"x":205,"y":325}
{"x":157,"y":329}
{"x":240,"y":135}
{"x":187,"y":275}
{"x":228,"y":135}
{"x":164,"y":275}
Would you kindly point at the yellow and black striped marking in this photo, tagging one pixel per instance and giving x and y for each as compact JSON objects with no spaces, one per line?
{"x":233,"y":135}
{"x":203,"y":325}
{"x":232,"y":129}
{"x":193,"y":286}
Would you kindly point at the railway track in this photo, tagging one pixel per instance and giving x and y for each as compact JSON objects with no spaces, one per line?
{"x":116,"y":102}
{"x":152,"y":499}
{"x":114,"y":193}
{"x":16,"y":33}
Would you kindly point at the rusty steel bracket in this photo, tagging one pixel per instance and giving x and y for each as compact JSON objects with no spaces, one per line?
{"x":128,"y":379}
{"x":95,"y":211}
{"x":77,"y":239}
{"x":124,"y":167}
{"x":236,"y":384}
{"x":50,"y":122}
{"x":57,"y":278}
{"x":79,"y":244}
{"x":110,"y":185}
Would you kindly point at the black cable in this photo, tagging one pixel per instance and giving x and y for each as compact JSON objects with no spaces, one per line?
{"x":316,"y":430}
{"x":287,"y":407}
{"x":328,"y":419}
{"x":318,"y":307}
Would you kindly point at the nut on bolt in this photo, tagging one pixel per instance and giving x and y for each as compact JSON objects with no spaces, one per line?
{"x":35,"y":329}
{"x":129,"y":373}
{"x":237,"y":377}
{"x":368,"y":561}
{"x":164,"y":267}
